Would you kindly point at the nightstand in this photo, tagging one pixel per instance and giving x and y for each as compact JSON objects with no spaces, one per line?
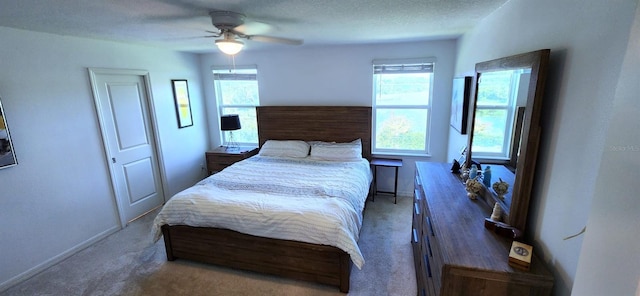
{"x":385,"y":162}
{"x":221,"y":157}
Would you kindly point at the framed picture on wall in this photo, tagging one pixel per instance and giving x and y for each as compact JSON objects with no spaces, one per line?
{"x":183,"y":104}
{"x":460,"y":103}
{"x":7,"y":155}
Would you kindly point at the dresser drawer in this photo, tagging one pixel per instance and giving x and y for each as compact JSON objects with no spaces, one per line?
{"x":216,"y":166}
{"x":430,"y":241}
{"x":417,"y":260}
{"x":417,"y":216}
{"x":430,"y":245}
{"x":428,"y":274}
{"x":225,"y":159}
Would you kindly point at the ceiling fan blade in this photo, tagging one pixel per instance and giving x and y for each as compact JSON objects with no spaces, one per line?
{"x":262,"y":38}
{"x":253,"y":28}
{"x":214,"y":34}
{"x":194,"y":37}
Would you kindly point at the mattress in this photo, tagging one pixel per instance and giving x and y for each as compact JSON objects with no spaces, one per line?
{"x":299,"y":199}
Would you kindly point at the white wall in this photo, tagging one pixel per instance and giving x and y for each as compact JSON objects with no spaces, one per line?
{"x":588,"y":39}
{"x":342,"y":75}
{"x":58,"y":198}
{"x":609,"y":263}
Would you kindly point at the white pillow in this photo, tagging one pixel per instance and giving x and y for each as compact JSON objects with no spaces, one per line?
{"x":312,"y":143}
{"x":351,"y":151}
{"x":285,"y":148}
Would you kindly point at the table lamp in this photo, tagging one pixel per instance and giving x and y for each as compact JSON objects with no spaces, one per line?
{"x":230,"y":123}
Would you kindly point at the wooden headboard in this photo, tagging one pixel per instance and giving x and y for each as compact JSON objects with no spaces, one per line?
{"x":316,"y":123}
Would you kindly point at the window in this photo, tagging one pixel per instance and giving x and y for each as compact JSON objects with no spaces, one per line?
{"x":402,"y":106}
{"x":497,"y":100}
{"x":237,"y":93}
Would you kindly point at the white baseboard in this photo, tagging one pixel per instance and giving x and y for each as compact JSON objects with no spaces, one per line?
{"x":405,"y":194}
{"x":57,"y":259}
{"x":401,"y":194}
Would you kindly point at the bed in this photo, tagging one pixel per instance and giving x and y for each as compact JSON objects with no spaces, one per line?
{"x":309,"y":261}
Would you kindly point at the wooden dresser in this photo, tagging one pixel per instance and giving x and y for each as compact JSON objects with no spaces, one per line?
{"x":453,"y":253}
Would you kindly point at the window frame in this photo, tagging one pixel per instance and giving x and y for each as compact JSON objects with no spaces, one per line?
{"x":221,"y":106}
{"x":428,"y":107}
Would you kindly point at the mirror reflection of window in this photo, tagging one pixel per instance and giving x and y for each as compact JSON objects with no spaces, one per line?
{"x":499,"y":94}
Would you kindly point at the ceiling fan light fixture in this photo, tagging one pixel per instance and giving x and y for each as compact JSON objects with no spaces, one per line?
{"x":229,"y":46}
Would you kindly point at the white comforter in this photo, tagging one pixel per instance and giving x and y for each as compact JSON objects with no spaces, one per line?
{"x":306,"y":200}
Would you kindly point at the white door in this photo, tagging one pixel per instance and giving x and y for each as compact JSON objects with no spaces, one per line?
{"x":122,"y":102}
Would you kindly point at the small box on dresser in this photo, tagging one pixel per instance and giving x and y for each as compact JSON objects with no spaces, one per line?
{"x":520,"y":255}
{"x":221,"y":157}
{"x":453,"y":253}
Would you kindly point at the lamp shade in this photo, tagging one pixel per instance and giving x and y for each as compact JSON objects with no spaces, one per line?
{"x":229,"y":46}
{"x":230,"y":122}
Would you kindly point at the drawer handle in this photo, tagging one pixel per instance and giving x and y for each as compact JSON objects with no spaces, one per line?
{"x":430,"y":227}
{"x":426,"y":259}
{"x":417,"y":195}
{"x":415,"y":236}
{"x":429,"y":245}
{"x":416,"y":208}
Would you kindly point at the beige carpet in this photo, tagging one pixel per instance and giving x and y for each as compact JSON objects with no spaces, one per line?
{"x":127,"y":263}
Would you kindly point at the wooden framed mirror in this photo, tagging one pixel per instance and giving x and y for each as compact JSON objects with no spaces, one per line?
{"x":505,"y":127}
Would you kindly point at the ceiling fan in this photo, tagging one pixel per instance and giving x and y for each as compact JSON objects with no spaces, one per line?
{"x":231,"y":25}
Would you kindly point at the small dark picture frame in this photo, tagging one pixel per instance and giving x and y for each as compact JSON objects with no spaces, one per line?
{"x":460,"y":103}
{"x":182,"y":102}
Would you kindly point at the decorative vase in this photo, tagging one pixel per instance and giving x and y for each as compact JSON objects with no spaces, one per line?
{"x":501,"y":188}
{"x":486,"y":177}
{"x":473,"y":172}
{"x":473,"y":186}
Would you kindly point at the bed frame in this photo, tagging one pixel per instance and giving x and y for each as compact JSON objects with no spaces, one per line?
{"x":298,"y":260}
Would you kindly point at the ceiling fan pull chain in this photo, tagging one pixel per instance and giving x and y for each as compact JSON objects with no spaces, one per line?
{"x":233,"y":59}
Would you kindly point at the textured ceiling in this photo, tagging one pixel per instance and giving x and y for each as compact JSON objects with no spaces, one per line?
{"x":179,"y":24}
